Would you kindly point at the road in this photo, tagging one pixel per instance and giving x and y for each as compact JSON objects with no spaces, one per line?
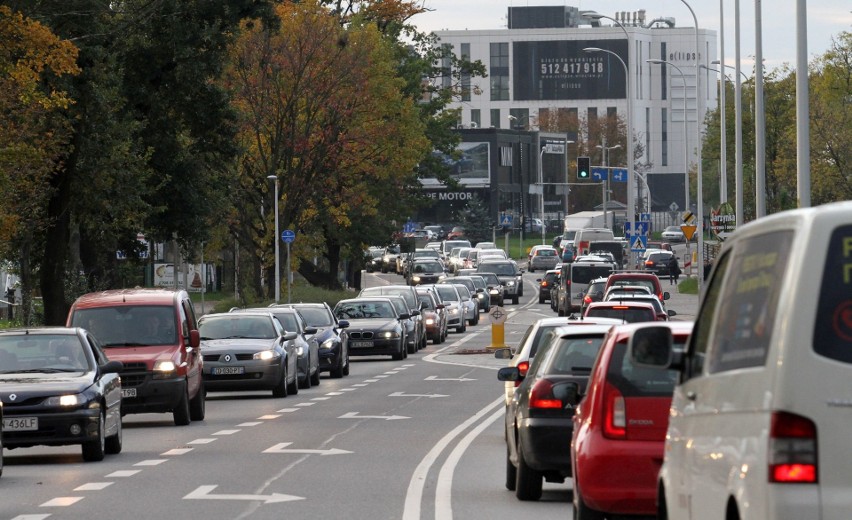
{"x":411,"y":439}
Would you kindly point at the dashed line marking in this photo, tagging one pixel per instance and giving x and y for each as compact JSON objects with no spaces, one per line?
{"x":287,"y":410}
{"x":123,"y":473}
{"x":201,"y":441}
{"x":247,"y":424}
{"x":31,"y":517}
{"x":305,"y":404}
{"x":93,"y":486}
{"x":151,"y":462}
{"x":348,"y":389}
{"x":176,"y":451}
{"x":334,"y":393}
{"x":320,"y":398}
{"x":360,"y":384}
{"x":61,"y":502}
{"x":268,"y":417}
{"x":226,"y":432}
{"x":371,"y":380}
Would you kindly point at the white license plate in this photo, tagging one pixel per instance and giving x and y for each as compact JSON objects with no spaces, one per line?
{"x":20,"y":424}
{"x":128,"y":392}
{"x":227,"y":371}
{"x":362,"y":344}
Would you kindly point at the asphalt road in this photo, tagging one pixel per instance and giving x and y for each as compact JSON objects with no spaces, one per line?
{"x":411,"y":439}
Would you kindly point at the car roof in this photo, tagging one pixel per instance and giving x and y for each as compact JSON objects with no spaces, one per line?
{"x":136,"y":296}
{"x":614,"y":303}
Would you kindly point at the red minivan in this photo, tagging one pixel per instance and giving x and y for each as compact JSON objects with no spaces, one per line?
{"x":154,"y":333}
{"x":620,"y":428}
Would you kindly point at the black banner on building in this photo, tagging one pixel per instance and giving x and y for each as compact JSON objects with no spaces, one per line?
{"x":561,"y":70}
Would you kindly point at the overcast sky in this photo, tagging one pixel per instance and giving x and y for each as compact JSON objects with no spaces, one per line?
{"x":825,"y":19}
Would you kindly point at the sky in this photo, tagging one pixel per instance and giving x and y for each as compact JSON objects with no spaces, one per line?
{"x":825,"y":19}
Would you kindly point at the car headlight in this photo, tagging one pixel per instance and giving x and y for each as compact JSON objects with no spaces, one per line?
{"x":430,"y":321}
{"x":65,"y":401}
{"x":454,"y":310}
{"x":416,"y":278}
{"x":389,"y":335}
{"x":481,"y":296}
{"x":495,"y":292}
{"x":164,"y":368}
{"x":329,"y":343}
{"x":510,"y":283}
{"x":300,"y":351}
{"x":265,"y":355}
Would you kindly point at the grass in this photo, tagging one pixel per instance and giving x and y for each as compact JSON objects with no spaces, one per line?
{"x":302,"y":292}
{"x":688,"y":286}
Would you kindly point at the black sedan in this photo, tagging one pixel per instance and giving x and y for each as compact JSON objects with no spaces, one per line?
{"x":248,"y":351}
{"x":331,"y":337}
{"x":539,"y":416}
{"x":58,"y":388}
{"x":375,"y":327}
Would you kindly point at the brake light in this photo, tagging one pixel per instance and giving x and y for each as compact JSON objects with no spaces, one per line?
{"x":649,"y":263}
{"x":541,"y":396}
{"x":544,"y":284}
{"x":615,"y":415}
{"x":587,"y":299}
{"x":792,"y":449}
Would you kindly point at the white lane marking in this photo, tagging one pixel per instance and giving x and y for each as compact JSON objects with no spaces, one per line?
{"x":287,"y":410}
{"x":348,"y":389}
{"x":354,"y":415}
{"x":268,"y":417}
{"x":150,"y":462}
{"x":320,"y":398}
{"x":61,"y":502}
{"x":431,"y":396}
{"x":414,"y":493}
{"x":390,"y":372}
{"x":381,"y":377}
{"x":403,"y":367}
{"x":123,"y":473}
{"x":203,"y":493}
{"x":334,"y":393}
{"x":31,"y":517}
{"x":282,"y":448}
{"x":226,"y":432}
{"x":201,"y":441}
{"x":436,"y":378}
{"x":303,"y":405}
{"x":93,"y":486}
{"x":176,"y":451}
{"x":444,"y":488}
{"x":360,"y":384}
{"x":248,"y":424}
{"x":371,"y":380}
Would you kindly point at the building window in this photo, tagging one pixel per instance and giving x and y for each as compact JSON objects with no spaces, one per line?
{"x":475,"y":118}
{"x":611,"y":112}
{"x":663,"y":72}
{"x":465,"y":75}
{"x":647,"y":134}
{"x":520,"y":118}
{"x":499,"y":71}
{"x":592,"y":115}
{"x":446,"y":65}
{"x":664,"y":134}
{"x":495,"y":118}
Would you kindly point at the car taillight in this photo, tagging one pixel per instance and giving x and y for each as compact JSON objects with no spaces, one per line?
{"x":615,"y":415}
{"x":649,"y":263}
{"x":523,"y":367}
{"x":587,"y":299}
{"x":541,"y":396}
{"x":544,"y":284}
{"x":792,"y":449}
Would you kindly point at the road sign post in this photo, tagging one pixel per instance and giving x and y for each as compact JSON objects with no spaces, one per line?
{"x":288,"y":236}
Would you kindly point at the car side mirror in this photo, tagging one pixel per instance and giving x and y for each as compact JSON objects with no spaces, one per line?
{"x":503,"y":353}
{"x":672,"y":313}
{"x":651,"y":346}
{"x":509,"y":374}
{"x":194,"y":338}
{"x":666,"y":295}
{"x":343,"y":324}
{"x":404,"y":316}
{"x":111,"y":367}
{"x":289,"y":336}
{"x":415,"y":313}
{"x":310,"y":330}
{"x":440,"y":306}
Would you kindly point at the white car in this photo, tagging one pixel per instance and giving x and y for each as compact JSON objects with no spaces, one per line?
{"x":673,"y":234}
{"x":760,"y":420}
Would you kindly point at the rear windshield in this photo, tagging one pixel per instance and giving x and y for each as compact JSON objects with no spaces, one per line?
{"x":652,"y":287}
{"x":586,"y":273}
{"x":543,"y":336}
{"x":129,"y":325}
{"x":546,"y":252}
{"x":633,"y":381}
{"x":575,"y":355}
{"x":316,"y":316}
{"x":833,"y":326}
{"x":627,"y":314}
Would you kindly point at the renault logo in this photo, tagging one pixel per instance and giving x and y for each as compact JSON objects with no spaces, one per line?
{"x":12,"y":397}
{"x":227,"y":358}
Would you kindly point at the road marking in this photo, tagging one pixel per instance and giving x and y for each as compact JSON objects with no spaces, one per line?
{"x":371,"y":380}
{"x":436,"y":378}
{"x":61,"y":502}
{"x":400,"y":394}
{"x":93,"y":486}
{"x":414,"y":493}
{"x":305,"y":404}
{"x":348,"y":389}
{"x":391,"y":372}
{"x":31,"y":517}
{"x":203,"y":493}
{"x":202,"y":441}
{"x":360,"y":384}
{"x":354,"y":415}
{"x":282,"y":448}
{"x":320,"y":398}
{"x":334,"y":393}
{"x":151,"y":462}
{"x":123,"y":473}
{"x":176,"y":451}
{"x":226,"y":432}
{"x":382,"y":376}
{"x":268,"y":417}
{"x":287,"y":410}
{"x":253,"y":423}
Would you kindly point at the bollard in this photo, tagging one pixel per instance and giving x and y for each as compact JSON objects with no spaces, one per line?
{"x":498,"y":316}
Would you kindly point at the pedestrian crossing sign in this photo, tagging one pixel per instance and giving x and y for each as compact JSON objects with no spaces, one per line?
{"x":506,"y":221}
{"x":638,"y":243}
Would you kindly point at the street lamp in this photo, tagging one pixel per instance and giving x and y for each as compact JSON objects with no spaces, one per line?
{"x":274,"y":178}
{"x":605,"y":184}
{"x":521,"y":178}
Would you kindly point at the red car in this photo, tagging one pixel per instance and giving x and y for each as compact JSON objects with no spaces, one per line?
{"x":649,"y":280}
{"x":628,"y":312}
{"x":620,"y":428}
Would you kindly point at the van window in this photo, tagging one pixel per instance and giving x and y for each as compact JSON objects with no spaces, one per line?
{"x":833,"y":325}
{"x":585,"y":273}
{"x":129,"y":325}
{"x":748,"y":302}
{"x":700,"y":337}
{"x":633,"y":381}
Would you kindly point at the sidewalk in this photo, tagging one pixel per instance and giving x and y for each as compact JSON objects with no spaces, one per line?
{"x":686,"y":305}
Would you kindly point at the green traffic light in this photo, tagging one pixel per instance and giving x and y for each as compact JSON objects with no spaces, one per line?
{"x":583,"y":167}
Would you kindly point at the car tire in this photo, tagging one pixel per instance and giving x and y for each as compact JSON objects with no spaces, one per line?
{"x":583,"y":511}
{"x":399,"y":355}
{"x":423,"y":342}
{"x":198,"y":404}
{"x":305,"y":382}
{"x":292,"y":388}
{"x":280,"y":390}
{"x":511,"y":472}
{"x":515,"y":299}
{"x":337,"y":372}
{"x":113,"y":444}
{"x":93,"y":451}
{"x":462,"y":327}
{"x":180,"y":413}
{"x":540,"y":300}
{"x":346,"y":366}
{"x":411,"y":348}
{"x":315,"y":378}
{"x":529,"y":482}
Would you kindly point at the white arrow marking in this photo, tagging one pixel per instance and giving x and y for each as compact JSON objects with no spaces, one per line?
{"x":436,"y":378}
{"x":354,"y":415}
{"x":203,"y":492}
{"x":400,"y":394}
{"x":280,"y":448}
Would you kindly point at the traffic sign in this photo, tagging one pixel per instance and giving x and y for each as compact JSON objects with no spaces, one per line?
{"x":599,"y":173}
{"x":638,"y":243}
{"x":554,"y":148}
{"x":642,"y":227}
{"x":644,"y":217}
{"x":619,"y":175}
{"x":497,"y":315}
{"x":688,"y":231}
{"x":288,"y":236}
{"x":506,"y":221}
{"x":673,"y":206}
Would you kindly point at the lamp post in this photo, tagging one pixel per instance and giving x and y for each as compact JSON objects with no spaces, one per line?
{"x":605,"y":160}
{"x":274,"y":178}
{"x":541,"y":197}
{"x":518,"y":127}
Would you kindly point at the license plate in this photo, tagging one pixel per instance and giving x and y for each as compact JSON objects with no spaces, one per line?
{"x":128,"y":392}
{"x":227,"y":371}
{"x":362,"y":344}
{"x":20,"y":424}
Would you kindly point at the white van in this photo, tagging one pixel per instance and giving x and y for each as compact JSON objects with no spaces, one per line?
{"x":760,"y":420}
{"x":585,"y":236}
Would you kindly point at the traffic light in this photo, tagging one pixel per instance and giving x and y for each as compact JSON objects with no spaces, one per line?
{"x":583,"y":168}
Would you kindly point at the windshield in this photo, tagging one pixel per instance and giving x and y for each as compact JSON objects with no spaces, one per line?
{"x":364,"y":310}
{"x":447,"y":293}
{"x":42,"y":353}
{"x":501,"y":269}
{"x":316,"y":316}
{"x":129,"y":325}
{"x":490,"y":278}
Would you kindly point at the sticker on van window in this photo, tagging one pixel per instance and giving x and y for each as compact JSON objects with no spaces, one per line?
{"x":833,"y":324}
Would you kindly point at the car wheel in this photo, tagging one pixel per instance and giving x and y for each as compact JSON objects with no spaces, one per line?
{"x":528,"y":484}
{"x":582,"y":511}
{"x":280,"y":390}
{"x":181,"y":411}
{"x":346,"y":366}
{"x":305,"y":383}
{"x":511,"y":472}
{"x":462,"y":327}
{"x":422,"y":342}
{"x":93,"y":451}
{"x":315,"y":379}
{"x":399,"y":355}
{"x":540,"y":299}
{"x":197,"y":406}
{"x":113,"y":443}
{"x":337,"y":372}
{"x":515,"y":299}
{"x":412,"y":347}
{"x":292,"y":388}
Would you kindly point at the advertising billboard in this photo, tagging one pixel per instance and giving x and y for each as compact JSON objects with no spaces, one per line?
{"x":561,"y":70}
{"x":472,"y":165}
